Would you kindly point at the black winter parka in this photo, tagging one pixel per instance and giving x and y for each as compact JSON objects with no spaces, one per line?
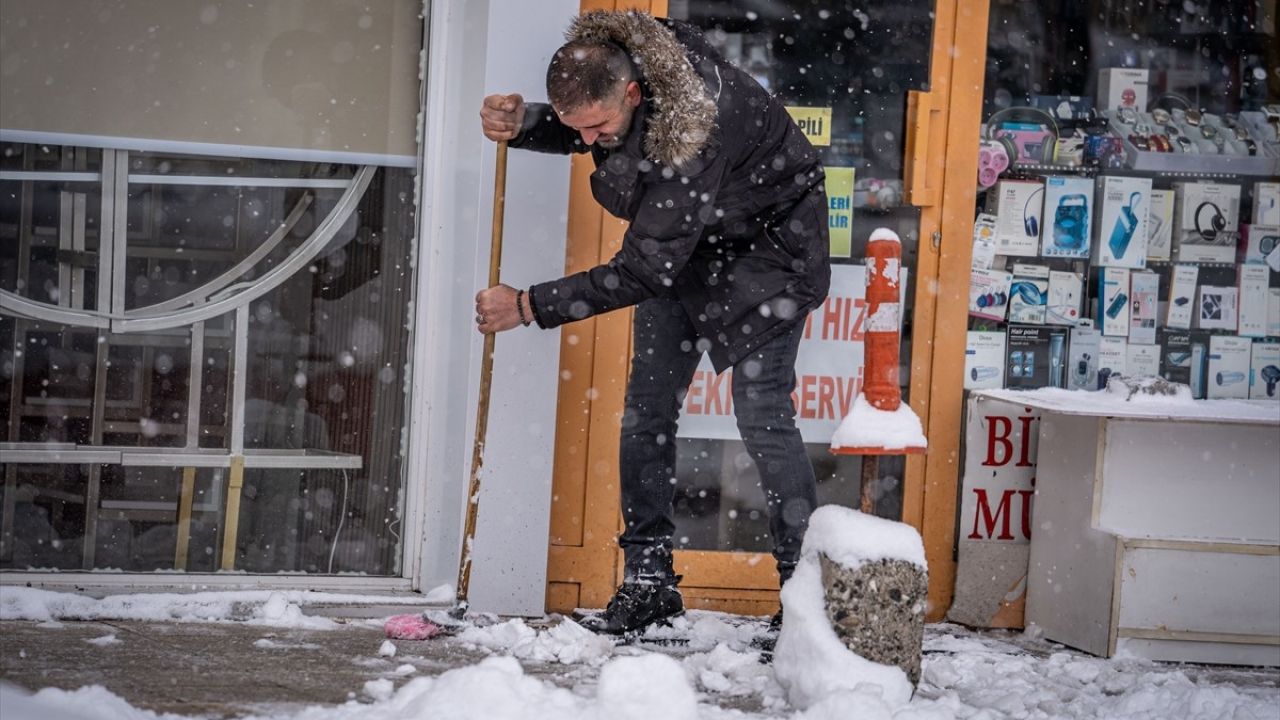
{"x":723,"y":192}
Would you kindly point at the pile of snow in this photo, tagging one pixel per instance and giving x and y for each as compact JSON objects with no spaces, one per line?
{"x":253,"y":607}
{"x":810,"y":661}
{"x":869,"y":427}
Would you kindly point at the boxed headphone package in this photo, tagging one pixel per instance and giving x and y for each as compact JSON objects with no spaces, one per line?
{"x":1123,"y":206}
{"x":1182,"y":296}
{"x":1142,"y":361}
{"x":1144,"y":292}
{"x":989,"y":293}
{"x":1266,"y":203}
{"x":1037,"y":357}
{"x":1018,"y":206}
{"x":1228,"y":375}
{"x":1029,"y":294}
{"x":1122,"y":88}
{"x":1160,"y":225}
{"x":1082,"y":360}
{"x":1216,"y":308}
{"x":1262,"y":245}
{"x":1208,"y":217}
{"x":1113,"y":355}
{"x":1068,"y":204}
{"x":1066,"y":290}
{"x":1113,"y":302}
{"x":1251,"y":281}
{"x":1264,"y":371}
{"x":984,"y":360}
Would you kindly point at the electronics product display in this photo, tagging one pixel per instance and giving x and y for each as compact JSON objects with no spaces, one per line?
{"x":1230,"y":378}
{"x":1125,"y":226}
{"x":1083,"y":368}
{"x":1271,"y":376}
{"x":1117,"y":305}
{"x":1214,"y":225}
{"x":1031,"y":220}
{"x":1070,"y":222}
{"x":1197,"y":370}
{"x":984,"y":372}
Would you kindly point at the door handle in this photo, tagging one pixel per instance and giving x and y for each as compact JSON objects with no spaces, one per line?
{"x":920,"y":113}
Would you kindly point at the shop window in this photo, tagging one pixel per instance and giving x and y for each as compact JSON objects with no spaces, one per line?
{"x":212,"y":379}
{"x":844,"y":69}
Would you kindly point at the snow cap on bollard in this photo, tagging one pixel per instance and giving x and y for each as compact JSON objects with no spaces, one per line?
{"x":879,"y":423}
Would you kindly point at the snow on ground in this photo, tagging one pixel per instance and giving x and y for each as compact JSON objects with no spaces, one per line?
{"x":282,"y":608}
{"x":967,"y":676}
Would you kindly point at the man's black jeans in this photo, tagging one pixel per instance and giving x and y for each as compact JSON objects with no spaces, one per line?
{"x":664,"y":360}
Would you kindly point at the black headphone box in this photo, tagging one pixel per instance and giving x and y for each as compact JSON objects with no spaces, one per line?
{"x":1208,"y":222}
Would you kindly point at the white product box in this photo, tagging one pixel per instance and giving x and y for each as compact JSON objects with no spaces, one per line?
{"x":1273,"y":312}
{"x":984,"y":242}
{"x":1228,"y":375}
{"x":1251,"y":281}
{"x":1122,"y":87}
{"x":1029,"y":294}
{"x":1144,"y":293}
{"x":984,"y":360}
{"x":1266,"y":203}
{"x":1018,"y":206}
{"x":989,"y":293}
{"x":1208,"y":222}
{"x":1264,"y":371}
{"x":1113,"y":302}
{"x":1160,"y":225}
{"x":1113,"y":357}
{"x":1066,"y":291}
{"x":1068,"y":214}
{"x":1217,"y":308}
{"x":1121,"y":235}
{"x":1262,"y":245}
{"x":1082,"y":363}
{"x":1142,"y":361}
{"x":1182,"y":296}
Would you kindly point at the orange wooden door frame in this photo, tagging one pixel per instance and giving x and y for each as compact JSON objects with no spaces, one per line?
{"x":584,"y":564}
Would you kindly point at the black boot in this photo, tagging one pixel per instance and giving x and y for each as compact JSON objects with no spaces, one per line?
{"x":636,"y":606}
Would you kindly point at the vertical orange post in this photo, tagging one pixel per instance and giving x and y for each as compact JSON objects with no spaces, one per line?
{"x":884,"y":313}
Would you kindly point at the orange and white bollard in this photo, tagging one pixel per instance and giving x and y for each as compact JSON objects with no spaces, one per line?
{"x":878,"y":423}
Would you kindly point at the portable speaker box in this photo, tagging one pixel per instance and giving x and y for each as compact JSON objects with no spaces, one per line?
{"x":1228,"y":375}
{"x":1120,"y":238}
{"x":1144,"y":291}
{"x":1068,"y":208}
{"x":1208,"y":222}
{"x":1160,"y":225}
{"x":984,"y":356}
{"x":1251,"y":281}
{"x":1113,"y":302}
{"x":1018,"y":206}
{"x":1264,"y":371}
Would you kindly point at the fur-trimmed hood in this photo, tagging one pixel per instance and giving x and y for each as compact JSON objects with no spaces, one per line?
{"x":682,"y":114}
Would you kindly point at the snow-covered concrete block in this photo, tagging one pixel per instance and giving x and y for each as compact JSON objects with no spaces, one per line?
{"x":877,"y":610}
{"x":853,"y":610}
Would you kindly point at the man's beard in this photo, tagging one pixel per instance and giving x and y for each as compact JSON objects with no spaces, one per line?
{"x":613,"y":143}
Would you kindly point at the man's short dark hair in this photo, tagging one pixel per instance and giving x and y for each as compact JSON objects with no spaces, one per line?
{"x":582,"y":73}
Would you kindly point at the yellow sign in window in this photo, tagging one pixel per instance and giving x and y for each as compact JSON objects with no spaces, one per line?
{"x":840,"y":210}
{"x":815,"y":122}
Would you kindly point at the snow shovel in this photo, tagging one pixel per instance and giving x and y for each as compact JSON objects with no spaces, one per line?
{"x":419,"y":627}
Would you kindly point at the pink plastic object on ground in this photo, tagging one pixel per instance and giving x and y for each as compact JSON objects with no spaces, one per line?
{"x":410,"y":627}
